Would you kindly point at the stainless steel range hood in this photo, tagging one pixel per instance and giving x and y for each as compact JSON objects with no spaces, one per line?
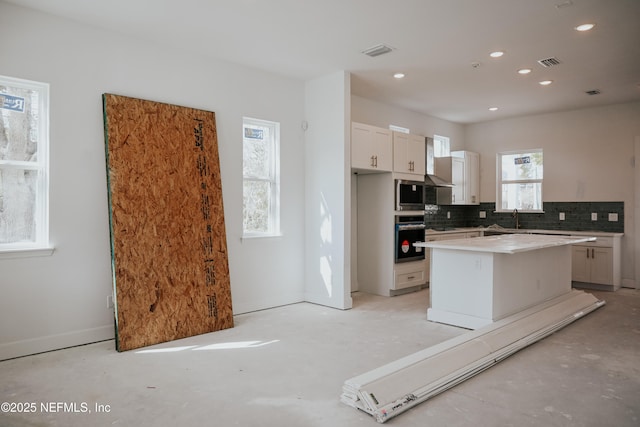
{"x":430,"y":179}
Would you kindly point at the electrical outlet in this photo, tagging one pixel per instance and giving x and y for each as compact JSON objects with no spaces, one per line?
{"x":448,"y":215}
{"x":613,"y":217}
{"x":109,"y":302}
{"x":483,"y":214}
{"x":594,"y":216}
{"x":561,"y":216}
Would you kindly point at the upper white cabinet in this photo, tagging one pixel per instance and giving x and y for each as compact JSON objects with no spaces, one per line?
{"x":371,"y":148}
{"x":409,"y":154}
{"x":462,"y":169}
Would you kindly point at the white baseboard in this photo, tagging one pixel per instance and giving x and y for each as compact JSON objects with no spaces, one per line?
{"x":55,"y":342}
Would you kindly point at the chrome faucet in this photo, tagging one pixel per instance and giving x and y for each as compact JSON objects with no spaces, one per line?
{"x":515,"y":215}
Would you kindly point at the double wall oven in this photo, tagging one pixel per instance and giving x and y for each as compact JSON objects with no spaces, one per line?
{"x":409,"y":228}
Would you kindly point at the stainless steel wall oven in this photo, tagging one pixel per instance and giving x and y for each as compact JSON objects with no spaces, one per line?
{"x":409,"y":230}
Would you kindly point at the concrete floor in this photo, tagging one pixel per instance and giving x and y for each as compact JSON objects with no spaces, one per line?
{"x":286,"y":366}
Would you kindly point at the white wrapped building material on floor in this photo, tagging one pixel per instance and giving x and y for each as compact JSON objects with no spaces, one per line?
{"x":391,"y":389}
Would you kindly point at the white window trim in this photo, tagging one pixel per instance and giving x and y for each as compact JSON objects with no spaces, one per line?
{"x":499,"y":181}
{"x":274,"y":214}
{"x":42,"y":246}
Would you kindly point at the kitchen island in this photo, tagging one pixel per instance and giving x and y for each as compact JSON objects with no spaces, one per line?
{"x":475,"y":282}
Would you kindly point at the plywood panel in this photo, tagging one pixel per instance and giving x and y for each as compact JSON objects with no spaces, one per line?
{"x":168,"y":245}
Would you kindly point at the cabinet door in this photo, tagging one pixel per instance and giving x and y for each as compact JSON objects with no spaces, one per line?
{"x":472,"y":165}
{"x":602,"y":265}
{"x":416,"y":153}
{"x":400,"y":158}
{"x":458,"y":181}
{"x":408,"y":153}
{"x":370,"y":148}
{"x":580,"y":263}
{"x":383,"y":142}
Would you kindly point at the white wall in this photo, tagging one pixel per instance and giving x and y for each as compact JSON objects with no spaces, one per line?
{"x":382,"y":115}
{"x":327,"y":191}
{"x":61,"y":300}
{"x":588,"y":156}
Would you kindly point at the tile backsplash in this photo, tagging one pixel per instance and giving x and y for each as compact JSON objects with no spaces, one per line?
{"x":578,"y":217}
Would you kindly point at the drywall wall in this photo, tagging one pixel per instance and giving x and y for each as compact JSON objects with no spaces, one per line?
{"x":61,"y":300}
{"x":376,"y":113}
{"x":327,"y":191}
{"x":588,"y":156}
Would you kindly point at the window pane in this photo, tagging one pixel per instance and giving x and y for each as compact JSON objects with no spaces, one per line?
{"x":19,"y":121}
{"x":521,"y":166}
{"x":522,"y":196}
{"x":441,"y":146}
{"x":17,"y":205}
{"x":256,"y":153}
{"x":256,"y":205}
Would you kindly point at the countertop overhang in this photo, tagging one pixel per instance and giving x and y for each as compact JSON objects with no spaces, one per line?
{"x":506,"y":243}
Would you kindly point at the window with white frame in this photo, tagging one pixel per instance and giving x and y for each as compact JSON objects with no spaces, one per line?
{"x":24,"y":164}
{"x":441,"y":146}
{"x":519,"y":179}
{"x":261,"y":178}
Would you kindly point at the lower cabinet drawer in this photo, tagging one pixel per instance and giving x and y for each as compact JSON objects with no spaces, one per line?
{"x":413,"y":278}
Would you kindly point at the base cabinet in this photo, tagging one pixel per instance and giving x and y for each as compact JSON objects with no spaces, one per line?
{"x":409,"y":275}
{"x":592,"y":265}
{"x":597,"y":265}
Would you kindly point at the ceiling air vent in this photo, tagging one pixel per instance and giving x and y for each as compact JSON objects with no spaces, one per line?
{"x":593,"y":92}
{"x":549,"y":62}
{"x":377,"y":50}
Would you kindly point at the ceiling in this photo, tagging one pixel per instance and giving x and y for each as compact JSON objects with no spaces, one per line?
{"x":442,"y":46}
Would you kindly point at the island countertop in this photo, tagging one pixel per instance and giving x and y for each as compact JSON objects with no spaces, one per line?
{"x":507,"y":243}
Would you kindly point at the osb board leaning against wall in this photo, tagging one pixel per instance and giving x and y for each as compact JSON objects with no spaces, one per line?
{"x":168,"y":244}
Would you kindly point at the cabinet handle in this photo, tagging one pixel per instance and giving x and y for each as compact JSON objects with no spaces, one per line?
{"x":593,"y":253}
{"x":372,"y":164}
{"x":376,"y":161}
{"x":587,"y":253}
{"x":411,"y":277}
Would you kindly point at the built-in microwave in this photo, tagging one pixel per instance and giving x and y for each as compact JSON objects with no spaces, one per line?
{"x":409,"y":195}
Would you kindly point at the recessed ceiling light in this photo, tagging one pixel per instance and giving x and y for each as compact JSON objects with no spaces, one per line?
{"x":585,"y":27}
{"x":496,"y":54}
{"x":524,"y":70}
{"x":546,"y":82}
{"x":493,"y":108}
{"x":399,"y":75}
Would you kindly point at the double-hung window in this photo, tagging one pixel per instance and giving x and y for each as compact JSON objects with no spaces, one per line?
{"x":24,"y":165}
{"x":261,"y":178}
{"x":519,"y":179}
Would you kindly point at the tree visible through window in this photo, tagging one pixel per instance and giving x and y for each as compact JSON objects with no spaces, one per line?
{"x":520,"y":181}
{"x":261,"y":178}
{"x":23,"y":163}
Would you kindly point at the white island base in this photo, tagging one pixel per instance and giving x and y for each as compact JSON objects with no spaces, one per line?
{"x":475,"y":282}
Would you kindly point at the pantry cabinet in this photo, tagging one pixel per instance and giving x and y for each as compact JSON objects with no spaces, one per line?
{"x":409,"y":154}
{"x":371,"y":148}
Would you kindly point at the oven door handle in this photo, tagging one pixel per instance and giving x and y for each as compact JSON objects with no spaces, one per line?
{"x":411,"y":227}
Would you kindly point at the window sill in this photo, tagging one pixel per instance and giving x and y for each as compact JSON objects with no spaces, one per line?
{"x":260,"y":236}
{"x":519,"y":211}
{"x":27,"y":252}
